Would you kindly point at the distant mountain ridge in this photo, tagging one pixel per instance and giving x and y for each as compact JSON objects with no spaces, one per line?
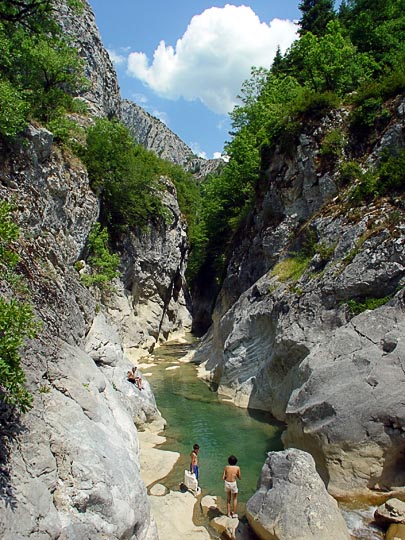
{"x":154,"y":135}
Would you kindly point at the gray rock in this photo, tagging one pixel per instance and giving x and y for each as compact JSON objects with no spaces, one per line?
{"x":392,"y":511}
{"x":150,"y":306}
{"x":103,"y":94}
{"x":292,"y":502}
{"x":154,"y":135}
{"x":291,"y":345}
{"x":41,"y":140}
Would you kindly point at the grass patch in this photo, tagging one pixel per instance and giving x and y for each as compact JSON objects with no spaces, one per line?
{"x":292,"y":268}
{"x":356,"y":306}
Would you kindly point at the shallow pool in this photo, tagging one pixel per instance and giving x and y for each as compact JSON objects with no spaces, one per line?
{"x":195,"y":414}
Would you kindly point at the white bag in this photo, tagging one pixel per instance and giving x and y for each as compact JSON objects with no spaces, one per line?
{"x":190,"y":481}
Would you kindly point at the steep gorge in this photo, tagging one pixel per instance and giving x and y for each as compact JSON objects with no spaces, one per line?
{"x":289,"y":345}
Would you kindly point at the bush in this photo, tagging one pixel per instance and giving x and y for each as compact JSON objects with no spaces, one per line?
{"x":367,"y":188}
{"x":103,"y":263}
{"x":124,"y":174}
{"x":332,"y":145}
{"x":16,"y":319}
{"x":391,"y":171}
{"x":13,"y":110}
{"x":356,"y":306}
{"x":349,"y":172}
{"x":315,"y":104}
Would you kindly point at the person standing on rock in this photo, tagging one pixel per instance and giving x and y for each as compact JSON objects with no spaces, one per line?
{"x":230,"y":474}
{"x":194,"y":460}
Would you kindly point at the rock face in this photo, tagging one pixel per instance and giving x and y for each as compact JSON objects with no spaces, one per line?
{"x":103,"y":94}
{"x":292,"y":503}
{"x":70,"y":467}
{"x":290,"y":345}
{"x":152,"y":306}
{"x":154,"y":135}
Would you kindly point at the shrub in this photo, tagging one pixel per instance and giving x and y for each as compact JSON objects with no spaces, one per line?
{"x":103,"y":263}
{"x":124,"y":174}
{"x":356,"y":306}
{"x":315,"y":104}
{"x":13,"y":110}
{"x":332,"y":145}
{"x":391,"y":171}
{"x":16,"y":319}
{"x":349,"y":172}
{"x":366,"y":189}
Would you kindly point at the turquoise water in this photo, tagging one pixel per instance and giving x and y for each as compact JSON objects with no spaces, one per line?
{"x":195,"y":414}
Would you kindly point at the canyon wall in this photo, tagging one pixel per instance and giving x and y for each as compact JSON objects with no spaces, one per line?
{"x":285,"y":338}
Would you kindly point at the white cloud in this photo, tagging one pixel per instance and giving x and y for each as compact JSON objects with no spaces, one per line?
{"x":195,"y":147}
{"x":214,"y":56}
{"x":116,"y":58}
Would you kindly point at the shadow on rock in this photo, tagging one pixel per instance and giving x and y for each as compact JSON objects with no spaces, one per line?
{"x":10,"y":428}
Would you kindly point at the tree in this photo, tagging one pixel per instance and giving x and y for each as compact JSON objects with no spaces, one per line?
{"x":315,"y":16}
{"x":329,"y":63}
{"x":376,"y":27}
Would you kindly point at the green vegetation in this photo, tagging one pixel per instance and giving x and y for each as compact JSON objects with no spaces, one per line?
{"x":16,"y":317}
{"x":39,"y":71}
{"x":291,"y":268}
{"x":357,"y":306}
{"x":102,"y":261}
{"x":353,"y":57}
{"x":127,"y":178}
{"x":387,"y":177}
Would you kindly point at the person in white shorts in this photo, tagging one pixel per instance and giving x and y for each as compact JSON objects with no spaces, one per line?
{"x":230,"y":474}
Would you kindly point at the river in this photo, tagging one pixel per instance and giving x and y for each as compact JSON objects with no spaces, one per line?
{"x":195,"y":414}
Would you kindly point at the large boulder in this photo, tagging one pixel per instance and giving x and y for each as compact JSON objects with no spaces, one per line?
{"x":292,"y":502}
{"x":348,"y":407}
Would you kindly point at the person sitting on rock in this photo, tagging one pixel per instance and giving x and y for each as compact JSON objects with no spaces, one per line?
{"x":134,"y":377}
{"x":230,"y":474}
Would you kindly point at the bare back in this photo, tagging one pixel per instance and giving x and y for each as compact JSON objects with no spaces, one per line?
{"x":231,"y":473}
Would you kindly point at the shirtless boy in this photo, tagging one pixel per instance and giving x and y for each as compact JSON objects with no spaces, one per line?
{"x":194,"y":460}
{"x":231,"y":473}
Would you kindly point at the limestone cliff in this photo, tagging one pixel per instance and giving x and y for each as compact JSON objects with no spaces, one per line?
{"x":70,"y":466}
{"x":156,"y":136}
{"x":289,"y":343}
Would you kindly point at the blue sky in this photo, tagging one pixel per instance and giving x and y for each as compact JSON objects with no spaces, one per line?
{"x":185,"y":61}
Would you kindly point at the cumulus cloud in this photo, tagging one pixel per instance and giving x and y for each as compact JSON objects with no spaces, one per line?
{"x":214,"y":56}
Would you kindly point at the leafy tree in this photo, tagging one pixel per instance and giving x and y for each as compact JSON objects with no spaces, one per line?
{"x":39,"y":70}
{"x":329,"y":62}
{"x":376,"y":27}
{"x":16,"y":318}
{"x":13,"y":109}
{"x":127,"y":176}
{"x":316,"y":14}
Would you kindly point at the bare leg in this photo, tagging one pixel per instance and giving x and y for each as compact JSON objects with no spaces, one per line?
{"x":228,"y":503}
{"x":235,"y":502}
